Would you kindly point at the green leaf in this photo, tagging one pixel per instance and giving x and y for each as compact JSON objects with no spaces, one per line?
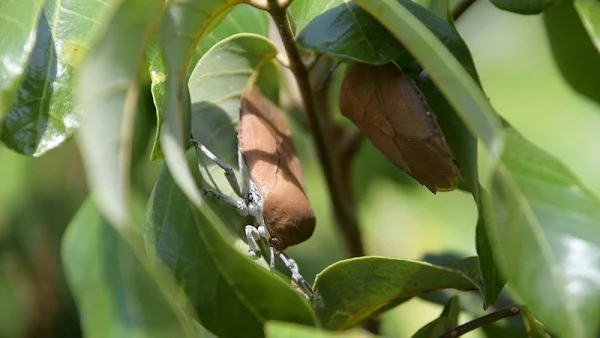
{"x":242,"y":19}
{"x":493,"y":281}
{"x":289,"y":330}
{"x":232,"y":295}
{"x":447,"y":320}
{"x":216,"y":86}
{"x":545,"y":229}
{"x":350,"y":33}
{"x":534,"y":328}
{"x":108,"y":92}
{"x":589,"y":12}
{"x":463,"y":99}
{"x":461,"y":140}
{"x":118,"y":293}
{"x":460,"y":89}
{"x":464,"y":148}
{"x":44,"y":114}
{"x":354,"y":290}
{"x":183,"y":25}
{"x":18,"y":23}
{"x":302,"y":12}
{"x":445,"y":9}
{"x":440,"y":8}
{"x":523,"y":6}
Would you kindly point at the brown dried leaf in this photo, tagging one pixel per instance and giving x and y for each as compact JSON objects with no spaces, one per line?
{"x":388,"y":108}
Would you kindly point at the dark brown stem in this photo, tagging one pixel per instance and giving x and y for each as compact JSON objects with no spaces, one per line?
{"x":481,"y":321}
{"x":344,"y":213}
{"x":350,"y":145}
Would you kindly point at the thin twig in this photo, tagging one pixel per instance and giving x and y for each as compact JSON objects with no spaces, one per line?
{"x":345,"y":216}
{"x":481,"y":321}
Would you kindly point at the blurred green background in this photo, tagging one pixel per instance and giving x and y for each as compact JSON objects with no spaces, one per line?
{"x":540,"y":72}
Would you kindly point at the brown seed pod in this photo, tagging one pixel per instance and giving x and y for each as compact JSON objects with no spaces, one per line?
{"x":266,"y":146}
{"x":387,"y":107}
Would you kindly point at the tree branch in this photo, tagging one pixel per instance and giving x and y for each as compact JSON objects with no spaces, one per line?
{"x":345,"y":216}
{"x":481,"y":321}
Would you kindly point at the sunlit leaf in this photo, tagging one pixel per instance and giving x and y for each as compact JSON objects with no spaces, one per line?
{"x":232,"y":295}
{"x":302,"y":12}
{"x":351,"y":291}
{"x":18,"y":22}
{"x":183,"y":25}
{"x":44,"y":114}
{"x":215,"y":87}
{"x":534,"y":328}
{"x":118,"y":293}
{"x":108,"y":93}
{"x":242,"y":19}
{"x":545,"y":230}
{"x":447,"y":320}
{"x":589,"y":12}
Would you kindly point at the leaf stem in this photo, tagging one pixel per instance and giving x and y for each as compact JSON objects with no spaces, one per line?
{"x":345,"y":216}
{"x":481,"y":321}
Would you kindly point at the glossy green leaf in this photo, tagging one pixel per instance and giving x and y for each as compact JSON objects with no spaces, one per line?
{"x":44,"y":113}
{"x":116,"y":290}
{"x":523,"y":6}
{"x":289,"y":330}
{"x":351,"y":291}
{"x":215,"y":87}
{"x":184,"y":24}
{"x":447,"y":320}
{"x":302,"y":12}
{"x":108,"y":92}
{"x":349,"y":33}
{"x":18,"y":23}
{"x":589,"y":12}
{"x":546,"y":233}
{"x":232,"y":295}
{"x":534,"y":328}
{"x":461,"y":90}
{"x":242,"y":19}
